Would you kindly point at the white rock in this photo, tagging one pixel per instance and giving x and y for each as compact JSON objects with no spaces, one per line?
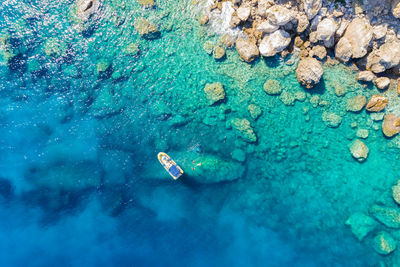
{"x":342,"y":27}
{"x":243,"y":13}
{"x":311,"y":7}
{"x":326,"y":29}
{"x":274,"y":43}
{"x":386,"y":57}
{"x":382,"y":82}
{"x":266,"y":27}
{"x":365,"y":76}
{"x":279,"y":15}
{"x":396,"y":8}
{"x":358,"y":35}
{"x":379,"y":31}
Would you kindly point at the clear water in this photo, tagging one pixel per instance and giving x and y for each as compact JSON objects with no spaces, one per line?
{"x":79,"y":180}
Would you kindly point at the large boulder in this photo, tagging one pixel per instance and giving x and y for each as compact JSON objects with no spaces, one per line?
{"x":357,"y":103}
{"x":274,"y":43}
{"x":326,"y":29}
{"x":390,"y":217}
{"x":267,"y":27}
{"x":243,"y":13}
{"x":390,"y":125}
{"x":146,"y":29}
{"x":377,"y":103}
{"x":279,"y":15}
{"x":384,"y":243}
{"x":311,"y":7}
{"x":359,"y":150}
{"x":366,"y":76}
{"x":309,"y":72}
{"x":214,"y":92}
{"x":355,"y":41}
{"x":247,"y":49}
{"x":361,"y":224}
{"x":382,"y":83}
{"x":244,"y":129}
{"x":384,"y":58}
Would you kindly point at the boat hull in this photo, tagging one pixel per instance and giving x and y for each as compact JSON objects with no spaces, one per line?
{"x":169,"y":165}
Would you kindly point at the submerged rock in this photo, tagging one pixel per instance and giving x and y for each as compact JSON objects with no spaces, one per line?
{"x":384,"y":243}
{"x":396,"y":192}
{"x":390,"y":217}
{"x":361,"y":224}
{"x":390,"y":125}
{"x":146,"y":29}
{"x":331,"y":119}
{"x":309,"y":72}
{"x":377,"y":103}
{"x":55,"y":47}
{"x":382,"y":83}
{"x":255,"y":111}
{"x":6,"y":52}
{"x":146,"y":3}
{"x":214,"y":92}
{"x":244,"y":129}
{"x":218,"y":52}
{"x":210,"y":169}
{"x":247,"y":49}
{"x":131,"y":49}
{"x":273,"y":87}
{"x":239,"y":155}
{"x":274,"y":43}
{"x":356,"y":103}
{"x":362,"y":133}
{"x":359,"y":150}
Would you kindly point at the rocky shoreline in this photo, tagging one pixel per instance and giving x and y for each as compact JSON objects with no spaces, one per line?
{"x":315,"y":32}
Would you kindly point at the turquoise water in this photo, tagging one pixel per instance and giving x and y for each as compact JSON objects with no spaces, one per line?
{"x":80,"y":183}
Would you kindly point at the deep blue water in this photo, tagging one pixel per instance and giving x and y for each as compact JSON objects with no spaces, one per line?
{"x":80,"y":183}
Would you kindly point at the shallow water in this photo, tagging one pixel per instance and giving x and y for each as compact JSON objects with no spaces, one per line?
{"x":80,"y":183}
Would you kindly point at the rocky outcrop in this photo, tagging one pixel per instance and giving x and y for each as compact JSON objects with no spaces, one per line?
{"x":357,"y":103}
{"x":255,"y":111}
{"x":146,"y":29}
{"x":377,"y":103}
{"x":390,"y":125}
{"x":146,"y":3}
{"x":361,"y":224}
{"x":359,"y":150}
{"x":273,"y":87}
{"x":267,"y":27}
{"x":214,"y":92}
{"x":274,"y":43}
{"x":243,"y":13}
{"x":309,"y":72}
{"x":244,"y":129}
{"x":247,"y":49}
{"x":384,"y":243}
{"x":218,"y":52}
{"x":355,"y":41}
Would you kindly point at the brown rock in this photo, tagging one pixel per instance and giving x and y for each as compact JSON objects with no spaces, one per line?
{"x":227,"y":40}
{"x":359,"y":150}
{"x":377,"y":103}
{"x":247,"y":49}
{"x":298,"y":41}
{"x":203,"y":19}
{"x":398,"y":86}
{"x":382,"y":83}
{"x":391,"y":125}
